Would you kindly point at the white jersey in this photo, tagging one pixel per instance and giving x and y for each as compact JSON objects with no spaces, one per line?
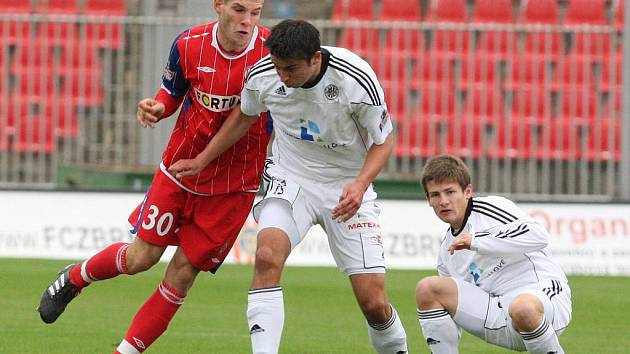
{"x":323,"y":132}
{"x":508,"y":251}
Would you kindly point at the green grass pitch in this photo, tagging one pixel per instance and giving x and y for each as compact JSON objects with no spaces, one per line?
{"x":321,"y":313}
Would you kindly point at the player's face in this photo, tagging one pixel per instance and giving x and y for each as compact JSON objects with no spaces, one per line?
{"x":449,"y":201}
{"x":237,"y":19}
{"x":297,"y":72}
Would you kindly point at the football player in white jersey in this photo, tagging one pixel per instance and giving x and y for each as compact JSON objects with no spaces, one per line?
{"x":332,"y":137}
{"x":496,"y":279}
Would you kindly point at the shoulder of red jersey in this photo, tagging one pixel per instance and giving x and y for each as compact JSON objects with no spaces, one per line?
{"x":198,"y":31}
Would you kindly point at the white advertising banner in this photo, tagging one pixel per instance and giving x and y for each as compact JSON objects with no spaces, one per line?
{"x":585,"y":238}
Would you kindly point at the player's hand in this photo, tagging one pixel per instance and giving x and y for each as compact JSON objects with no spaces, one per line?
{"x":186,"y":167}
{"x":149,"y":112}
{"x":349,"y":201}
{"x":461,"y":242}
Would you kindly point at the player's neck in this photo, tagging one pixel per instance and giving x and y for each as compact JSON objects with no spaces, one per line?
{"x":228,"y":49}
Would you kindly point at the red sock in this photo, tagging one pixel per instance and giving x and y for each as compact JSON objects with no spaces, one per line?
{"x":108,"y":263}
{"x":153,"y":318}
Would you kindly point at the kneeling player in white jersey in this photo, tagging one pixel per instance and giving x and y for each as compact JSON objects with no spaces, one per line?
{"x":333,"y":136}
{"x":496,"y":278}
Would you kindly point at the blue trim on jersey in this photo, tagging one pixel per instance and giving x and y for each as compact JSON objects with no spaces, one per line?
{"x":269,"y":123}
{"x":139,"y":221}
{"x":173,"y":78}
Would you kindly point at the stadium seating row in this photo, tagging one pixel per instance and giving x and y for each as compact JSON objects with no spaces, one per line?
{"x":497,"y":11}
{"x":54,"y":67}
{"x":515,"y":139}
{"x":104,"y":30}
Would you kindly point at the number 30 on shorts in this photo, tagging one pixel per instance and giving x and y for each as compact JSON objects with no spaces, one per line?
{"x":163,"y":223}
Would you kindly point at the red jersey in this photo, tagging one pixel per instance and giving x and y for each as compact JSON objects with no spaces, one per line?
{"x":209,"y":81}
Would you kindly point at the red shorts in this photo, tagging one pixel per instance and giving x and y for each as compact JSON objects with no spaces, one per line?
{"x":204,"y":227}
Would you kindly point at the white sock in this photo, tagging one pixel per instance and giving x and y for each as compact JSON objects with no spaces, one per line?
{"x":542,"y":340}
{"x":265,"y":316}
{"x":388,"y":337}
{"x":439,"y":330}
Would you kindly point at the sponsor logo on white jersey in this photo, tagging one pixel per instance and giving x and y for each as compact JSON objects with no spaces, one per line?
{"x":217,"y":103}
{"x":281,"y":91}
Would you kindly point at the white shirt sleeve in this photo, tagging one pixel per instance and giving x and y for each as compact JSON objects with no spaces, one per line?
{"x":251,"y":100}
{"x":376,"y":120}
{"x":521,"y":236}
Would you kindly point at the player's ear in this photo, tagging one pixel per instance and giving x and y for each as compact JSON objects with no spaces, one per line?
{"x":468,"y":191}
{"x":317,"y":58}
{"x":217,"y":5}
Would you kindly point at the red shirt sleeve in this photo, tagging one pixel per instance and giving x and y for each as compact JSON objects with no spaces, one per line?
{"x":171,"y":103}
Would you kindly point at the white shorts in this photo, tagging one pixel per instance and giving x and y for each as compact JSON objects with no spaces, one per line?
{"x":294,"y":205}
{"x":487,"y":316}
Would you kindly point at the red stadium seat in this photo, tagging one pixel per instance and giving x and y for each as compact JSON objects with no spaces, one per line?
{"x":547,"y":45}
{"x":574,"y":72}
{"x":447,"y":11}
{"x":79,"y":58}
{"x":110,"y":7}
{"x":560,"y":139}
{"x":57,"y":33}
{"x":499,"y":11}
{"x":604,"y":140}
{"x":594,"y":46}
{"x":57,"y":7}
{"x":353,"y":10}
{"x":620,"y":14}
{"x":502,"y":45}
{"x":540,"y":11}
{"x":432,"y":71}
{"x":579,"y":107}
{"x":59,"y":115}
{"x":465,"y":137}
{"x":36,"y":86}
{"x":408,"y":43}
{"x":396,"y":98}
{"x":612,"y":73}
{"x":483,"y":105}
{"x":514,"y":139}
{"x":580,"y":12}
{"x":478,"y":72}
{"x":417,"y":138}
{"x":527,"y":73}
{"x":396,"y":10}
{"x":34,"y":135}
{"x":106,"y":34}
{"x":438,"y":105}
{"x":32,"y":57}
{"x":390,"y":68}
{"x":449,"y":43}
{"x":362,"y":41}
{"x":85,"y":89}
{"x":18,"y":31}
{"x":533,"y":106}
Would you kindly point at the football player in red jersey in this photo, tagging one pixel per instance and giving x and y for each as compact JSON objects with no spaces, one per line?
{"x":203,"y":214}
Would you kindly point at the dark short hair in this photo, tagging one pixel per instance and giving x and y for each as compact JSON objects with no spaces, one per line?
{"x":445,"y":168}
{"x":293,"y":39}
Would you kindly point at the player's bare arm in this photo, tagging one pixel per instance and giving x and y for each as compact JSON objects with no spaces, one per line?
{"x":234,"y":128}
{"x":149,"y":112}
{"x":352,"y":194}
{"x":461,"y":242}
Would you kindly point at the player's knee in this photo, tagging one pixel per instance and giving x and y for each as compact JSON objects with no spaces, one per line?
{"x":426,"y":291}
{"x":526,"y":312}
{"x":267,"y":258}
